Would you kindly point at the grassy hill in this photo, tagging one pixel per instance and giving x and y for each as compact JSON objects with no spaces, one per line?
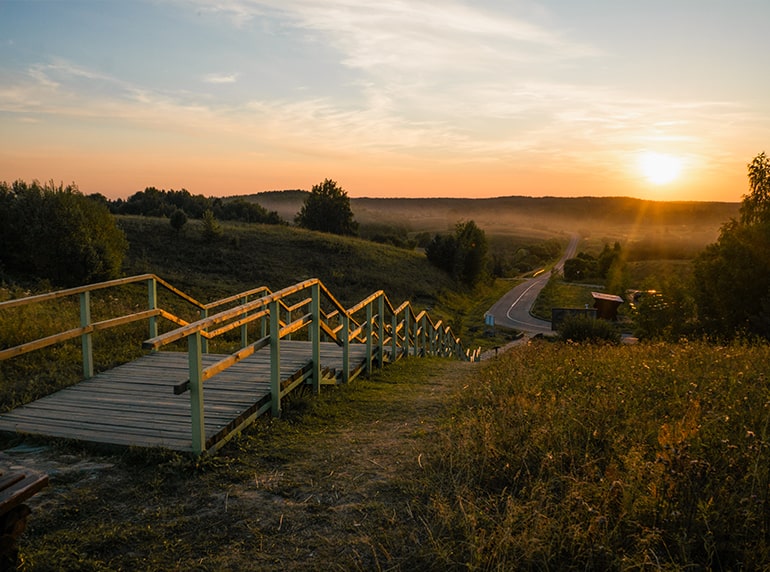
{"x":246,"y":256}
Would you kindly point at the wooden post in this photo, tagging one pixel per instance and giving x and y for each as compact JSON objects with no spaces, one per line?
{"x":85,"y":340}
{"x":288,"y":321}
{"x":381,"y":330}
{"x":152,"y":300}
{"x":369,"y":331}
{"x":425,"y":335}
{"x":195,"y":361}
{"x":416,"y":340}
{"x":394,"y":338}
{"x":433,"y":340}
{"x":407,"y":331}
{"x":244,"y":327}
{"x":204,"y":339}
{"x":275,"y":358}
{"x":263,"y":325}
{"x":315,"y":335}
{"x":345,"y":331}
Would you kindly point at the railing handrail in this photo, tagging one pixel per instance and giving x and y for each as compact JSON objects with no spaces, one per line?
{"x":225,"y":315}
{"x":406,"y":332}
{"x":55,"y":295}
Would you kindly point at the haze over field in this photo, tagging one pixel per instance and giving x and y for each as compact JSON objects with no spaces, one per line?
{"x":658,"y":100}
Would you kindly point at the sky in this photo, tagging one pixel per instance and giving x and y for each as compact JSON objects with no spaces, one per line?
{"x":660,"y":99}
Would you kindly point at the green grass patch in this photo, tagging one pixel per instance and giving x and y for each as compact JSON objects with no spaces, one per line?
{"x":651,"y":274}
{"x":560,"y":294}
{"x":251,"y":255}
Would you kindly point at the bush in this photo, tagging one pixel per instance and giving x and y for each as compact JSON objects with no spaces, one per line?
{"x":584,"y":329}
{"x":58,"y":234}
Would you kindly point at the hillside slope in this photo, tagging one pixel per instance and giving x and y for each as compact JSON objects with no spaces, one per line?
{"x":246,"y":256}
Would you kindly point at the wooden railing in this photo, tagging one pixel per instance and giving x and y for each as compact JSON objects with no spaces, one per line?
{"x":305,"y":309}
{"x":88,"y":327}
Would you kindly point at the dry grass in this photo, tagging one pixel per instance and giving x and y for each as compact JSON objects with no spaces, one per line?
{"x":565,"y":457}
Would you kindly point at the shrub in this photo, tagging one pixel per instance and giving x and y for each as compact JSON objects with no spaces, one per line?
{"x":584,"y":329}
{"x":178,"y":219}
{"x":57,"y":233}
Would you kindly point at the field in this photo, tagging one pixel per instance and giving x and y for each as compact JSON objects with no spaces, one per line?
{"x":552,"y":456}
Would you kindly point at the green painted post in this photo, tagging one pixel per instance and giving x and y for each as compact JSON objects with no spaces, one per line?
{"x":381,"y":330}
{"x":204,"y":340}
{"x":275,"y":358}
{"x":195,"y":361}
{"x":416,"y":340}
{"x":244,"y":327}
{"x":425,"y":335}
{"x":433,"y":341}
{"x":288,"y":321}
{"x":85,"y":339}
{"x":315,"y":335}
{"x":263,"y":322}
{"x":152,"y":299}
{"x":394,"y":338}
{"x":407,"y":331}
{"x":345,"y":331}
{"x":369,"y":332}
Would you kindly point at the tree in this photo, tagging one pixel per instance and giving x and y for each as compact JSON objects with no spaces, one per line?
{"x":472,"y":252}
{"x":177,"y":220}
{"x":756,"y":205}
{"x":732,"y":276}
{"x":211,"y":227}
{"x":666,"y":312}
{"x":55,"y":232}
{"x":327,"y":209}
{"x":463,"y":255}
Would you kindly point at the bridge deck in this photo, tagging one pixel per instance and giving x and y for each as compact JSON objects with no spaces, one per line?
{"x":134,"y":404}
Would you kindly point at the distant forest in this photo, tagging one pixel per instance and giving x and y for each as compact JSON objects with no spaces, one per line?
{"x":161,"y":203}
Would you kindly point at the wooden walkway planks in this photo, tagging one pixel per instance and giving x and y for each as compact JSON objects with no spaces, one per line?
{"x":134,"y":404}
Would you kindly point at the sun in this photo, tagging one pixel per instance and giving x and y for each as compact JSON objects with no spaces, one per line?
{"x":659,"y":168}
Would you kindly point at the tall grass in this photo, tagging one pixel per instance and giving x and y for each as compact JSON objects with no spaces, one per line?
{"x":579,"y":457}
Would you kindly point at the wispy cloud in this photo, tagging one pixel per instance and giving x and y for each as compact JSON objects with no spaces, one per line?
{"x":219,"y":78}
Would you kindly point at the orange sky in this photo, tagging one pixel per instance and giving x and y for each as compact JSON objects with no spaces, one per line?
{"x":448,"y":98}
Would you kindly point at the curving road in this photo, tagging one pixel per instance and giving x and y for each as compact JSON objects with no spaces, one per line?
{"x":513,"y":309}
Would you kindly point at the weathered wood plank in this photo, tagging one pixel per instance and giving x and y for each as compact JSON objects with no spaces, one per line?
{"x":134,"y":405}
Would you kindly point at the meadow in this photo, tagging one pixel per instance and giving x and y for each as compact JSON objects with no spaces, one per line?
{"x":552,"y":456}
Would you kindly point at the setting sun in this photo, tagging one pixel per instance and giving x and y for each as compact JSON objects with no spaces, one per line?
{"x":660,"y":168}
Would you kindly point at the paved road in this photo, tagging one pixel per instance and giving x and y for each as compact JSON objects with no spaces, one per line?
{"x":513,"y":309}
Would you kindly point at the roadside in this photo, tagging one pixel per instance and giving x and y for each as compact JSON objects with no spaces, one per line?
{"x":514,"y":309}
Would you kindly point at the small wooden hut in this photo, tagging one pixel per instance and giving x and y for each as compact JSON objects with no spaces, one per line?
{"x":606,"y":305}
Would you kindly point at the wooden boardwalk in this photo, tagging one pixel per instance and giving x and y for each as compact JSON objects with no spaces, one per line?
{"x":135,"y":405}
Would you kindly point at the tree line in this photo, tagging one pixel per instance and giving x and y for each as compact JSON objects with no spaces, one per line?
{"x":165,"y":203}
